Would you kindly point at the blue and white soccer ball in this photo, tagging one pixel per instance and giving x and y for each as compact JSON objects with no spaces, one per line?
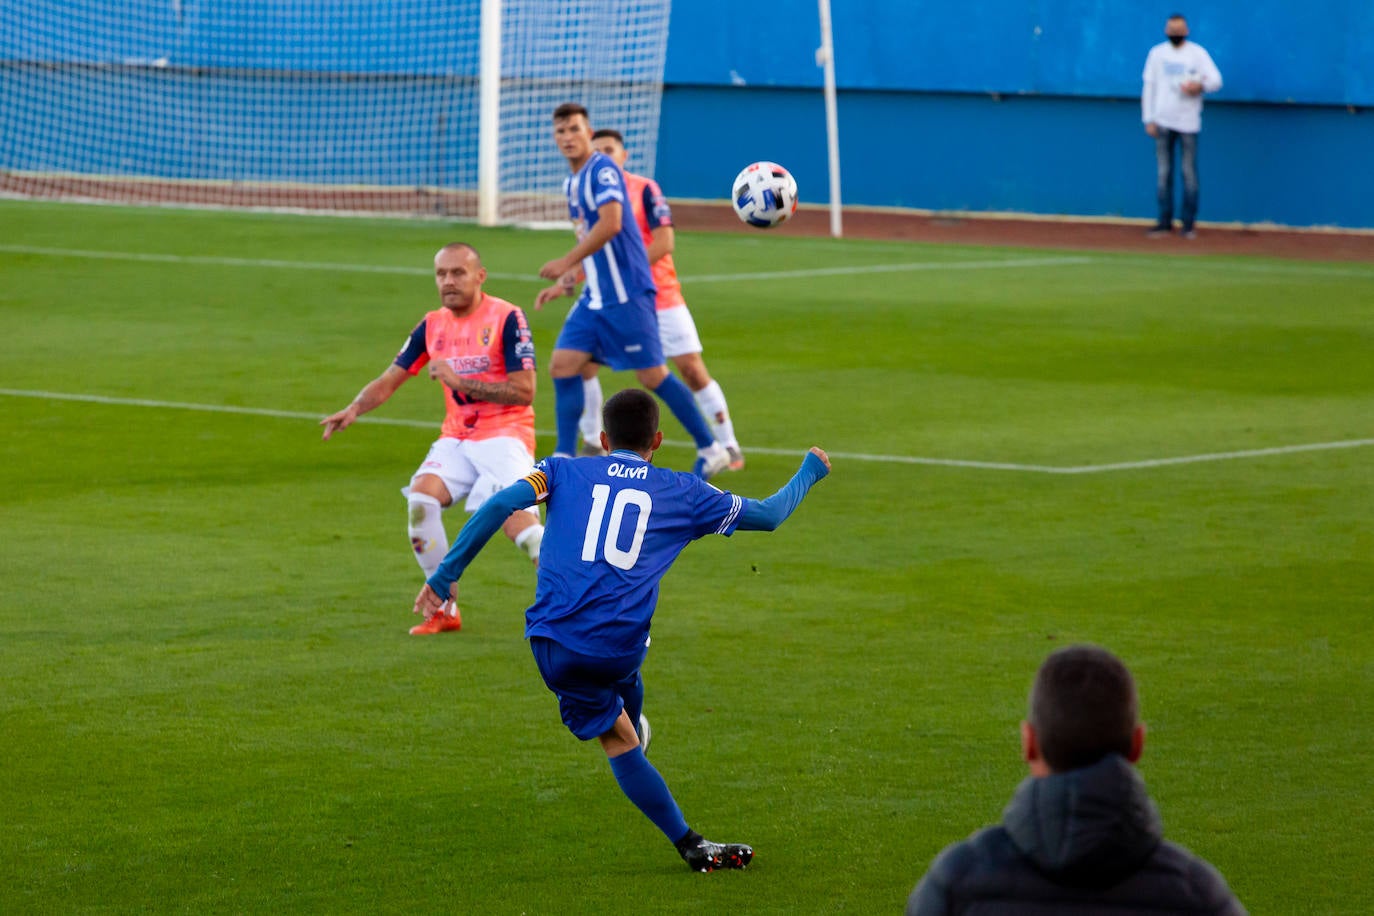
{"x":765,"y":195}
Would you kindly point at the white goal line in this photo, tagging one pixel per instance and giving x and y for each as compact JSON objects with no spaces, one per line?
{"x":848,"y":456}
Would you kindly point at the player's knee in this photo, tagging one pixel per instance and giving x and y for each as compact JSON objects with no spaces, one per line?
{"x":652,"y":377}
{"x":422,"y":508}
{"x":693,"y":371}
{"x":433,"y":486}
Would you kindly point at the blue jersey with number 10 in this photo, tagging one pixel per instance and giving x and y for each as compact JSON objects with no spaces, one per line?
{"x":615,"y":525}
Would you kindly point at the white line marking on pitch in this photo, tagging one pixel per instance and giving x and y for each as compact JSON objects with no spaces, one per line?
{"x":159,"y":258}
{"x":891,"y":268}
{"x":1216,"y":456}
{"x":234,"y":262}
{"x":853,"y":456}
{"x":1210,"y":264}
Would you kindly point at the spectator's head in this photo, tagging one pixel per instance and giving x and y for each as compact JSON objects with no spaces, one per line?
{"x":1176,"y":29}
{"x":1083,"y":707}
{"x":630,"y":420}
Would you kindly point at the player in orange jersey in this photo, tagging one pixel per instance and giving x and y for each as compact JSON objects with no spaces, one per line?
{"x":676,"y":330}
{"x":480,"y":347}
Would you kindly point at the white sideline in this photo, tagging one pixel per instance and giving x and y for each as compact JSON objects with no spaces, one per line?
{"x":849,"y":456}
{"x":1124,"y":258}
{"x":215,"y":260}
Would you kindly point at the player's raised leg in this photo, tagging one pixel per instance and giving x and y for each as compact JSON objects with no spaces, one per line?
{"x":497,"y":463}
{"x":645,"y":787}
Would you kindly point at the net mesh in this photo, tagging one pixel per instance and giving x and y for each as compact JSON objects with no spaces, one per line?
{"x":342,"y":105}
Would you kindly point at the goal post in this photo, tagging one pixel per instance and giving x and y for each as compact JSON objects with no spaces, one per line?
{"x":438,"y":107}
{"x":825,"y":58}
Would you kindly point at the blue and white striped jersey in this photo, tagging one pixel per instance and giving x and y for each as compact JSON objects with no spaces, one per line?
{"x":619,"y":271}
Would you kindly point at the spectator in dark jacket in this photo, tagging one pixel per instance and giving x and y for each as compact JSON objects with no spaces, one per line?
{"x":1080,"y":835}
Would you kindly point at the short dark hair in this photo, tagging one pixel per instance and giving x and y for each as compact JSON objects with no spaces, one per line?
{"x":1177,"y":16}
{"x":609,"y":132}
{"x":630,"y":418}
{"x":1083,"y":706}
{"x":568,"y":110}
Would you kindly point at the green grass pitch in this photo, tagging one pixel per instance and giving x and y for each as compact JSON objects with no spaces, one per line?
{"x":211,"y":703}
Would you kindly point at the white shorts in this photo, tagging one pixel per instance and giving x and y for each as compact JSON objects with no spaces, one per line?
{"x":476,"y":468}
{"x":677,"y":332}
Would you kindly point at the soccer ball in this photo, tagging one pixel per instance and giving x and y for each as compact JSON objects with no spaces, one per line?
{"x":765,"y":195}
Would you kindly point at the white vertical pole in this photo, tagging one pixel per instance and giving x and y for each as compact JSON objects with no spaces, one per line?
{"x":825,"y":57}
{"x":489,"y":116}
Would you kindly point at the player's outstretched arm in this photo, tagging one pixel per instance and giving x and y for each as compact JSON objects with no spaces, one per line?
{"x":484,"y":523}
{"x":373,"y":395}
{"x":768,"y":514}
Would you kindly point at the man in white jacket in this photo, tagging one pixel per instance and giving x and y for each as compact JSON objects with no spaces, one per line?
{"x":1177,"y":73}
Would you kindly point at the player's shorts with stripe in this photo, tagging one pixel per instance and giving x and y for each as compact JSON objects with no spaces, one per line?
{"x":474,"y":469}
{"x":677,"y":332}
{"x":622,"y":336}
{"x":591,"y":691}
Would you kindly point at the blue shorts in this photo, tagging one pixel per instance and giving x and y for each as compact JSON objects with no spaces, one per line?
{"x":622,"y":336}
{"x":591,"y":691}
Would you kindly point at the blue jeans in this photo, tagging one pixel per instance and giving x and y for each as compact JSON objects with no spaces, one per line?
{"x":1165,"y":141}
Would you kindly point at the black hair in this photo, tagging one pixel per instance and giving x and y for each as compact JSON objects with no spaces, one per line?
{"x":1083,"y":706}
{"x":630,"y":418}
{"x":609,"y":132}
{"x":568,"y":110}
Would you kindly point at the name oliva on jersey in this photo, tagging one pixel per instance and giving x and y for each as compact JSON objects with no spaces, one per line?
{"x":628,"y":471}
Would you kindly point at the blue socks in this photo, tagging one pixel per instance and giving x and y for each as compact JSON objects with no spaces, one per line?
{"x":567,"y":405}
{"x":680,"y":401}
{"x":643,"y":785}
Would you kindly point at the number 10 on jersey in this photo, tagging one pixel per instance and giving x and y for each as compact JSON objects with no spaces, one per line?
{"x":620,"y":559}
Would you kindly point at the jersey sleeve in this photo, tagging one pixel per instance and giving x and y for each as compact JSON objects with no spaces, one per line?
{"x":714,"y":511}
{"x":656,"y":209}
{"x":414,"y":353}
{"x":539,"y":478}
{"x":517,"y":343}
{"x":608,"y":183}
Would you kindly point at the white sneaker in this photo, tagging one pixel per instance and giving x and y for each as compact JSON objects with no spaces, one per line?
{"x":645,"y":733}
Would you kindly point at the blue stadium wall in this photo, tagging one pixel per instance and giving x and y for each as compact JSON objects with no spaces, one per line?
{"x":1026,"y":105}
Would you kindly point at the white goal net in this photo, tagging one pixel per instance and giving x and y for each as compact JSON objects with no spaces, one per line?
{"x":338,"y":105}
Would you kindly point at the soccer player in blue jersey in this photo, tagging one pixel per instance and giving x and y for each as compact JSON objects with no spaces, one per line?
{"x":614,"y":526}
{"x":614,"y":321}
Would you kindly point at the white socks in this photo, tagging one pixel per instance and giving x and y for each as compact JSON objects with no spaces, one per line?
{"x":711,"y":400}
{"x":589,"y":424}
{"x":529,"y":541}
{"x":427,"y":535}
